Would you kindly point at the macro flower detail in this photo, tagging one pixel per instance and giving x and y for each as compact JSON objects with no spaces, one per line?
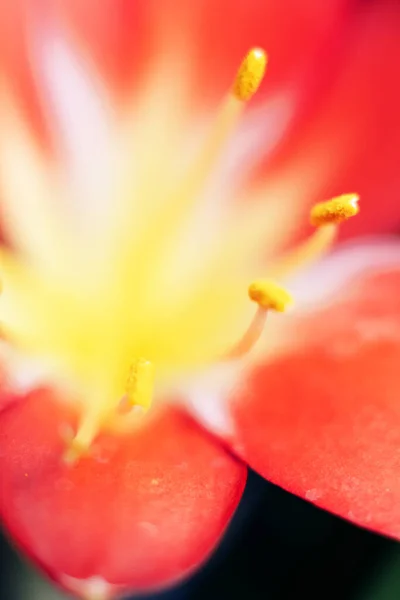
{"x":167,"y":319}
{"x":97,"y":348}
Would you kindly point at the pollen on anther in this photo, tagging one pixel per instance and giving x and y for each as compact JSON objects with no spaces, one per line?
{"x":269,"y":295}
{"x":139,"y":387}
{"x":250,"y":74}
{"x":334,"y":211}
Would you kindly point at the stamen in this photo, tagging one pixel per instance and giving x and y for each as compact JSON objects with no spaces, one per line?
{"x":335,"y":211}
{"x":140,"y":384}
{"x":248,"y":79}
{"x":305,"y":253}
{"x":326,"y":216}
{"x":180,"y":200}
{"x":269,"y":296}
{"x":250,"y":74}
{"x":250,"y":337}
{"x":138,"y":396}
{"x":80,"y":444}
{"x":246,"y":84}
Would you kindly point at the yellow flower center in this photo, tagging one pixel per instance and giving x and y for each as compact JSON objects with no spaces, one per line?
{"x":116,"y":326}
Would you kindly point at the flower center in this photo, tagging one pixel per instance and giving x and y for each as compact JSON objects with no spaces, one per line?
{"x":115,"y":330}
{"x":266,"y":293}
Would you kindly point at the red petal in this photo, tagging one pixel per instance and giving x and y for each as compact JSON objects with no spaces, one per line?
{"x":113,"y":32}
{"x":215,"y":33}
{"x":293,"y":33}
{"x":15,"y":65}
{"x":146,"y":511}
{"x":350,"y":139}
{"x":323,"y":421}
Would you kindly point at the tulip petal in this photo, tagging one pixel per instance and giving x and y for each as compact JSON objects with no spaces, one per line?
{"x":139,"y":513}
{"x":322,"y":418}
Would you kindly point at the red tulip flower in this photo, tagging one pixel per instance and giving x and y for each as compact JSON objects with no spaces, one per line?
{"x":154,"y":219}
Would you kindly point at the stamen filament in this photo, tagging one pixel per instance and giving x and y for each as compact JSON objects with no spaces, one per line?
{"x":81,"y":442}
{"x":214,"y":145}
{"x":269,"y":296}
{"x":318,"y":244}
{"x":139,"y":393}
{"x":248,"y":79}
{"x":326,"y":216}
{"x":250,"y":337}
{"x":181,"y":199}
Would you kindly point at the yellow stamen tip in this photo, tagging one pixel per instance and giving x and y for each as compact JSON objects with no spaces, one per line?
{"x":140,"y":384}
{"x":334,"y":211}
{"x":270,"y":295}
{"x":250,"y":74}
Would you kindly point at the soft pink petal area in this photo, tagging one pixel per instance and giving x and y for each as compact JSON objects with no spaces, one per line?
{"x":146,"y":509}
{"x":323,"y":419}
{"x":15,"y":66}
{"x":114,"y":33}
{"x":350,"y":139}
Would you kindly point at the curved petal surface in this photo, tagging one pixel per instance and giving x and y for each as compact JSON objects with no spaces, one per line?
{"x":323,"y":419}
{"x":140,"y":513}
{"x":348,"y":138}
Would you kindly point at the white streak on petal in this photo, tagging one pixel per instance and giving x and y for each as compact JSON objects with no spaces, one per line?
{"x":31,"y":215}
{"x":318,"y":284}
{"x":206,"y":397}
{"x":23,"y":374}
{"x":92,"y":588}
{"x":257,"y":136}
{"x":195,"y":247}
{"x":82,"y":123}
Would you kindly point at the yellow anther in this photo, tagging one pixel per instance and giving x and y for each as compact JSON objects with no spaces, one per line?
{"x":334,"y":211}
{"x":270,"y":295}
{"x":250,"y":74}
{"x":140,"y":384}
